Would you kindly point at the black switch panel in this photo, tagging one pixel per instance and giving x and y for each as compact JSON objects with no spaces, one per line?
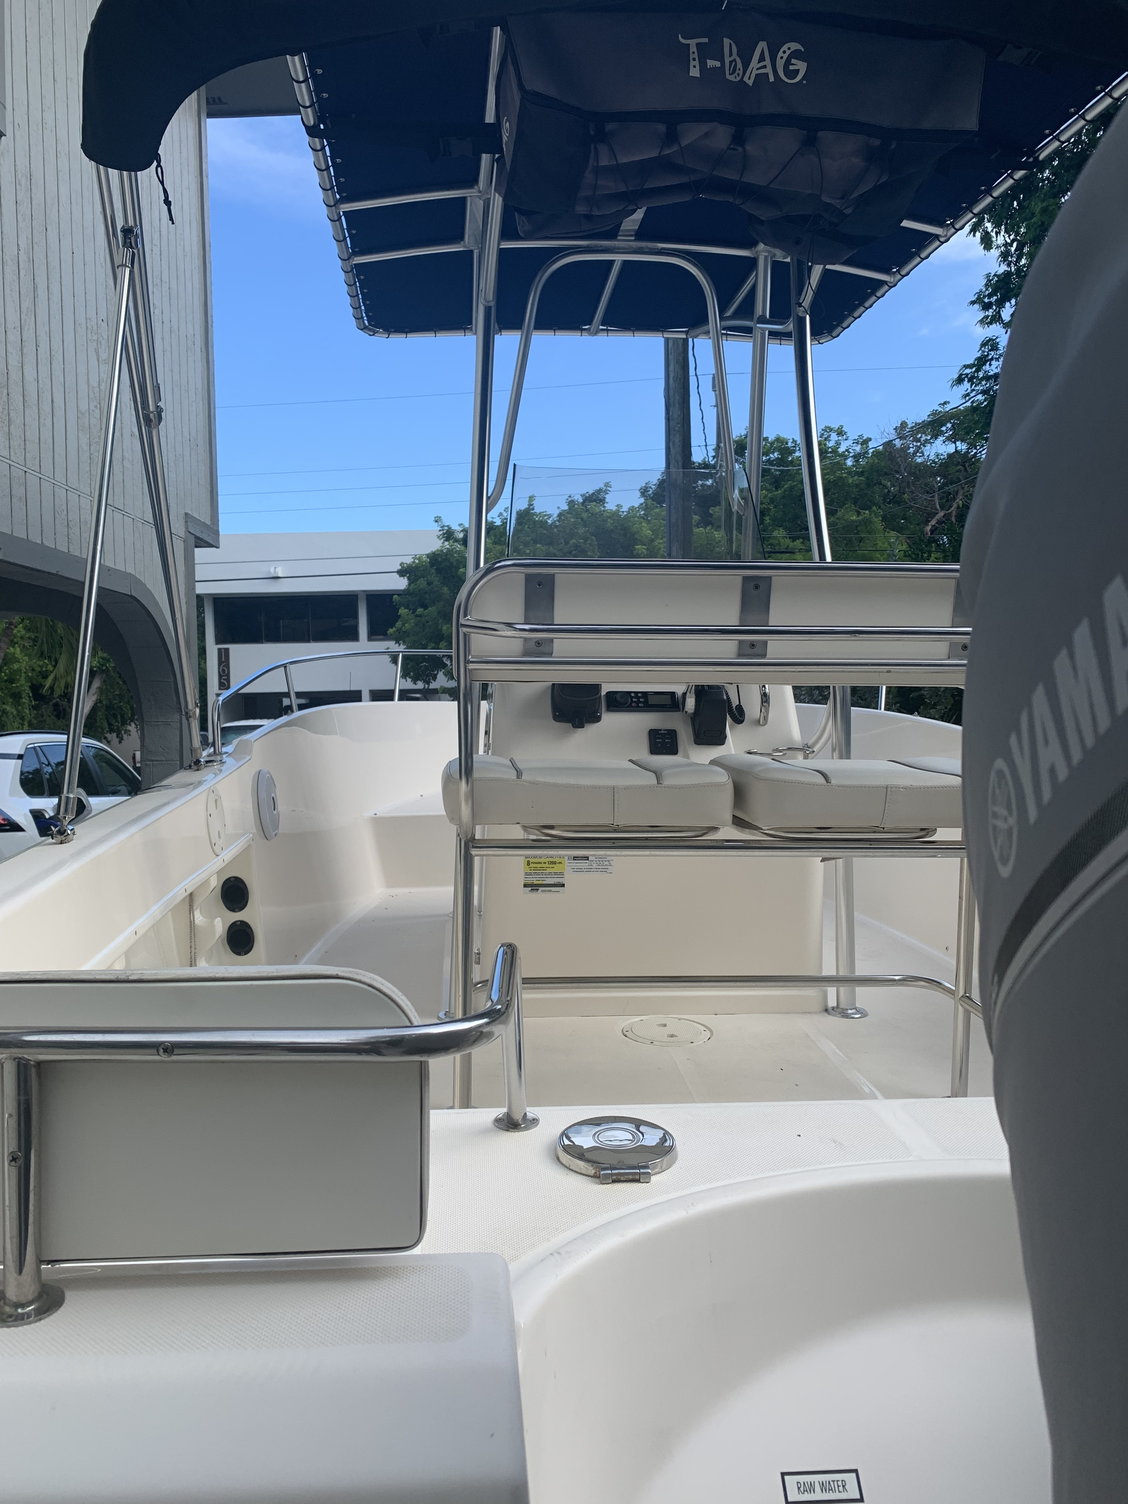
{"x":663,"y":741}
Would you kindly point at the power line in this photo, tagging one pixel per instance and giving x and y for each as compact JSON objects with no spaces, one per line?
{"x":427,"y":464}
{"x":372,"y":506}
{"x":552,"y":386}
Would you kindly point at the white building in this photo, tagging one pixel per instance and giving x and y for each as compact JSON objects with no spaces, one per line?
{"x":272,"y":596}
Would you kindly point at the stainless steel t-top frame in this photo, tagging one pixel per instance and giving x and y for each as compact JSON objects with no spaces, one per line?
{"x":484,"y":496}
{"x":132,"y":348}
{"x":24,"y":1297}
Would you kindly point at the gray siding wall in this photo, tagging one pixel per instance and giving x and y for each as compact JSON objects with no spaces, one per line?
{"x":56,"y":303}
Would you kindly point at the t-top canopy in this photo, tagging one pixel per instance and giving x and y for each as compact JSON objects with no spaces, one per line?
{"x":859,"y":136}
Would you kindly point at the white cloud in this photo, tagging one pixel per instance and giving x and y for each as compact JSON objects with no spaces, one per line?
{"x":264,"y":163}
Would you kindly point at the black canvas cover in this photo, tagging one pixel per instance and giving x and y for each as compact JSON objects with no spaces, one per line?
{"x":145,"y":57}
{"x":821,"y":134}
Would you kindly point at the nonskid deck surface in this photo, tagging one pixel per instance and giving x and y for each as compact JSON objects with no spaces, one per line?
{"x":902,"y":1049}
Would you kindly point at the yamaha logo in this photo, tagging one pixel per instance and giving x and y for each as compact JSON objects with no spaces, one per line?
{"x":784,"y":65}
{"x":1002,"y":817}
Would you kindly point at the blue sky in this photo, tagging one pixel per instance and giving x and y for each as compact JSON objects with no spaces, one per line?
{"x":324,"y":429}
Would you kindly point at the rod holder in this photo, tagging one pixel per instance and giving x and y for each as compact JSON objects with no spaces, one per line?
{"x":505,"y":988}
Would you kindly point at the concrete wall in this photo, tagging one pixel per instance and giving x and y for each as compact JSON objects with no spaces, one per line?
{"x":56,"y":301}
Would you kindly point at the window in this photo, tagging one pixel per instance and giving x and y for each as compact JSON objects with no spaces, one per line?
{"x":32,"y":779}
{"x":317,"y":697}
{"x":117,"y":780}
{"x":333,"y":618}
{"x":238,"y":620}
{"x":285,"y":618}
{"x":55,"y":755}
{"x":382,"y":612}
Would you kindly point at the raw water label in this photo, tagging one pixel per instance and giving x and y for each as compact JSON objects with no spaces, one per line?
{"x":578,"y":865}
{"x":544,"y":874}
{"x":844,"y":1484}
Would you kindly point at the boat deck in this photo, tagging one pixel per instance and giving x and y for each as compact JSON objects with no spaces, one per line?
{"x":901,"y":1050}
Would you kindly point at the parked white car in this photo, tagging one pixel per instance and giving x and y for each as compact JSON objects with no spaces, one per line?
{"x":31,"y":767}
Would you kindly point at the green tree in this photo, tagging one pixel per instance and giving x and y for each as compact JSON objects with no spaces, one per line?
{"x":585,"y":527}
{"x":1014,"y":230}
{"x":37,"y":666}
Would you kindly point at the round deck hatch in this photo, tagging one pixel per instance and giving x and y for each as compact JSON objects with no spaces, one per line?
{"x":616,"y":1148}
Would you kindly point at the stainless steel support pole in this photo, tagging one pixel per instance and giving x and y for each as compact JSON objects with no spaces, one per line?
{"x":462,"y":961}
{"x":462,"y":954}
{"x":485,"y":335}
{"x":965,"y":963}
{"x":462,"y":918}
{"x":67,"y":805}
{"x":399,"y":677}
{"x":808,"y":422}
{"x":506,"y":987}
{"x":845,"y":919}
{"x":148,"y":427}
{"x":751,"y":545}
{"x":881,"y":695}
{"x":23,"y":1296}
{"x":290,"y":693}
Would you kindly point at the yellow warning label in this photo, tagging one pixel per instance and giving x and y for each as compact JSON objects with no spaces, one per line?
{"x":544,"y":874}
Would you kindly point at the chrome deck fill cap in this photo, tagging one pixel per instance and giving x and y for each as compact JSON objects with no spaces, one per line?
{"x":616,"y":1148}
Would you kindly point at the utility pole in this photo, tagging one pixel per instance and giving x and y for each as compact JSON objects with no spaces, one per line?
{"x":679,"y":451}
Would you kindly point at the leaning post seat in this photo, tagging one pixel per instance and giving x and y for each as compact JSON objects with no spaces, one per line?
{"x":646,"y":625}
{"x":640,"y":793}
{"x":906,"y":796}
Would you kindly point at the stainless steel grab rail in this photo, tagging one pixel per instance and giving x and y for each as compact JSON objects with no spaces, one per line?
{"x":488,"y":628}
{"x":24,"y":1297}
{"x":285,"y":667}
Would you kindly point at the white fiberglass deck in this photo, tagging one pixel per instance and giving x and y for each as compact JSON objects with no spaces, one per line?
{"x":903,"y":1049}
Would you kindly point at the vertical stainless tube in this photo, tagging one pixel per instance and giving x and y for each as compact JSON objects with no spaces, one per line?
{"x":149,"y":432}
{"x":881,"y":695}
{"x":506,"y":986}
{"x":845,"y":926}
{"x":24,"y":1297}
{"x":68,"y":796}
{"x":845,"y":945}
{"x":965,"y":962}
{"x":462,"y":957}
{"x":485,"y":335}
{"x":291,"y":695}
{"x":751,"y":546}
{"x":399,"y":677}
{"x":808,"y":422}
{"x":485,"y":331}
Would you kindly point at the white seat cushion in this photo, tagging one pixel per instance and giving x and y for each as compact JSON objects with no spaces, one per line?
{"x":644,"y":793}
{"x":832,"y":794}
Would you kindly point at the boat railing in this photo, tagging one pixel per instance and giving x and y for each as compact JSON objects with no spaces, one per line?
{"x":24,"y":1297}
{"x":286,"y":667}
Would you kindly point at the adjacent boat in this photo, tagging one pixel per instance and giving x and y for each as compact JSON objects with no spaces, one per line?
{"x":789,"y":1264}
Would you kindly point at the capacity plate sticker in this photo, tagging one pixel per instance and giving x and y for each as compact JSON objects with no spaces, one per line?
{"x":544,"y":874}
{"x":578,"y":865}
{"x":844,"y":1484}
